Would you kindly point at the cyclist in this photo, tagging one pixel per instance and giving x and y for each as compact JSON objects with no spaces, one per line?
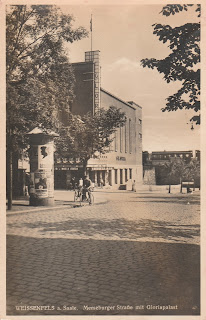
{"x":80,"y":186}
{"x":73,"y":183}
{"x":86,"y":186}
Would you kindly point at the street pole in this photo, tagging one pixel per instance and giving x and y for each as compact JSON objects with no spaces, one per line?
{"x":91,"y":31}
{"x":10,"y":179}
{"x":9,"y":171}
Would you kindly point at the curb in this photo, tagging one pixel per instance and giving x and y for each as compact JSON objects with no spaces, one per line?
{"x":39,"y":209}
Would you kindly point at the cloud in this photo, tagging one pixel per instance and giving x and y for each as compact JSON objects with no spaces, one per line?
{"x":124,"y":64}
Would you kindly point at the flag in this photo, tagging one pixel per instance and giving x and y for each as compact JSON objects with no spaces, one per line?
{"x":91,"y":24}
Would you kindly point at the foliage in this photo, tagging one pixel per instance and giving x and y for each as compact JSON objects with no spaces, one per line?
{"x":89,"y":135}
{"x":183,"y":170}
{"x":192,"y":170}
{"x":39,"y":76}
{"x":175,"y":167}
{"x":182,"y":63}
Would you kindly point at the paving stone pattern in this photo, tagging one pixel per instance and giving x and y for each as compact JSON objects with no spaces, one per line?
{"x":123,"y":256}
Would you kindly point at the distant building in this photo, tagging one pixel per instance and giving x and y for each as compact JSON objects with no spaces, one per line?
{"x":197,"y":154}
{"x":158,"y":157}
{"x":123,"y":164}
{"x":153,"y":171}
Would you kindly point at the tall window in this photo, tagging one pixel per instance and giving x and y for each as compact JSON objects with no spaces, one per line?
{"x":121,"y":176}
{"x":126,"y":178}
{"x":130,"y":137}
{"x":125,"y":137}
{"x":115,"y":175}
{"x":130,"y":173}
{"x":115,"y":141}
{"x":121,"y":140}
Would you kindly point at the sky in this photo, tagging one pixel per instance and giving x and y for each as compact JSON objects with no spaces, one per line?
{"x":124,"y":36}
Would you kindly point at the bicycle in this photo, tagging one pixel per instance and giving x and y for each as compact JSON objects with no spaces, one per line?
{"x":78,"y":195}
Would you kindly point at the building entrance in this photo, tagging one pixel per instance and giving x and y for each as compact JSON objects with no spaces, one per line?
{"x":121,"y":176}
{"x":60,"y":179}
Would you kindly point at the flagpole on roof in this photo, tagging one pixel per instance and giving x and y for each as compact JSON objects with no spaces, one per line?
{"x":91,"y":31}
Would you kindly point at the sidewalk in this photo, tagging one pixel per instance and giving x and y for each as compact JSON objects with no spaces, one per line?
{"x":62,"y":199}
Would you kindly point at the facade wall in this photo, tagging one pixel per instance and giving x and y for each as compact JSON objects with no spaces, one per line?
{"x":83,"y":88}
{"x":124,"y":158}
{"x":122,"y":164}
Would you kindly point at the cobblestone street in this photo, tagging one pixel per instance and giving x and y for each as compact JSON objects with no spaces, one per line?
{"x":130,"y":253}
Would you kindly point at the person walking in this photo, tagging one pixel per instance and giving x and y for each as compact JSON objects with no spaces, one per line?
{"x":134,"y":186}
{"x":101,"y":183}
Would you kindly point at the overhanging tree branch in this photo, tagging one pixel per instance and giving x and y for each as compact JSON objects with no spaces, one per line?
{"x":182,"y":63}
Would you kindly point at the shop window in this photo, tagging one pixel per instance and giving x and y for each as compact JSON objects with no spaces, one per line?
{"x":121,"y":176}
{"x":130,"y":173}
{"x":115,"y":175}
{"x":126,"y":178}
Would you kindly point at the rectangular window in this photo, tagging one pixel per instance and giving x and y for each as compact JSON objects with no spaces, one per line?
{"x":120,"y":131}
{"x":140,"y":121}
{"x":130,"y":137}
{"x":126,"y":179}
{"x":115,"y":141}
{"x":115,"y":175}
{"x":130,"y":173}
{"x":140,"y":135}
{"x":121,"y":176}
{"x":125,"y":137}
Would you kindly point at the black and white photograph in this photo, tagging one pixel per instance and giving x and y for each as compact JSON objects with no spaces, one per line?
{"x":102,"y":159}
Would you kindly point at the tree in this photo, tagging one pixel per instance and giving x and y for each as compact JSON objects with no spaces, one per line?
{"x":182,"y":63}
{"x":192,"y":171}
{"x":39,"y":77}
{"x":89,"y":136}
{"x":174,"y":168}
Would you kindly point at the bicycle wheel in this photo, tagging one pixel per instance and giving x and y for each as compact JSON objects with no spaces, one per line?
{"x":75,"y":195}
{"x":80,"y":198}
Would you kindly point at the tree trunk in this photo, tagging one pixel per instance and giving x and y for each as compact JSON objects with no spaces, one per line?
{"x":169,"y":188}
{"x":10,"y":178}
{"x":85,"y":167}
{"x":180,"y":185}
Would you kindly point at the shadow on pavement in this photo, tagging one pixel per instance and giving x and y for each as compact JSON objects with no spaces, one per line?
{"x":183,"y":199}
{"x":79,"y":273}
{"x":120,"y":228}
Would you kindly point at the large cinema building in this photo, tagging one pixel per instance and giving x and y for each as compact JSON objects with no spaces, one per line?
{"x":122,"y":165}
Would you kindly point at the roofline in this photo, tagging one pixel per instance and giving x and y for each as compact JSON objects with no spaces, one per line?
{"x":172,"y":151}
{"x":83,"y":62}
{"x":92,"y":51}
{"x":112,"y":95}
{"x":132,"y":102}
